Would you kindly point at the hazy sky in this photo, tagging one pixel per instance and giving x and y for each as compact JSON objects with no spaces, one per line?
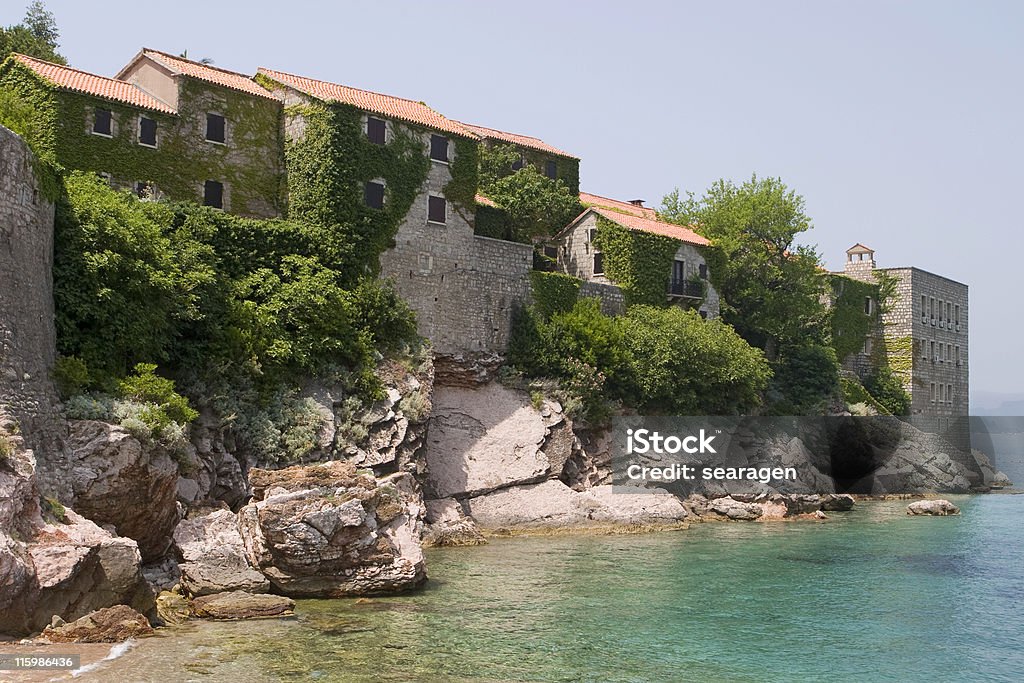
{"x":899,"y":122}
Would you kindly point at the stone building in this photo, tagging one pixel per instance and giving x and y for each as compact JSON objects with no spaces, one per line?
{"x":687,"y":283}
{"x":548,"y":160}
{"x":462,"y":286}
{"x":924,"y":336}
{"x":164,"y":127}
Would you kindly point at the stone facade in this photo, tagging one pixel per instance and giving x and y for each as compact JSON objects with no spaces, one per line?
{"x":27,"y":333}
{"x":924,"y":337}
{"x":576,"y":257}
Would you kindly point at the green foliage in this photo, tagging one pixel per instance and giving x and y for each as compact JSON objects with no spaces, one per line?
{"x":182,"y":162}
{"x":327,"y":169}
{"x":886,"y":388}
{"x":684,"y":365}
{"x":52,"y":509}
{"x":6,"y":445}
{"x":534,"y":205}
{"x":145,"y":386}
{"x":771,"y":288}
{"x":850,"y":324}
{"x":638,"y":262}
{"x":553,"y":292}
{"x":899,"y":356}
{"x":71,"y":375}
{"x":464,"y":168}
{"x":659,"y":360}
{"x":855,"y":394}
{"x":36,"y":35}
{"x":495,"y":223}
{"x":806,"y":379}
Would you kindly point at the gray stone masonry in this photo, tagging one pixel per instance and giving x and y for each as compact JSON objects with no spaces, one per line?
{"x":27,"y":333}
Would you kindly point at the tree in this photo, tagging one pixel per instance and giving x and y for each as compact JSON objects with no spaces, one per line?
{"x":536,"y":205}
{"x":36,"y":35}
{"x":771,"y":288}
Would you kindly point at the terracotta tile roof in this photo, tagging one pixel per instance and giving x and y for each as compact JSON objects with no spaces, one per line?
{"x":66,"y":78}
{"x":516,"y":139}
{"x":652,"y":226}
{"x":480,"y":199}
{"x":210,"y":74}
{"x":588,"y":199}
{"x":376,"y":103}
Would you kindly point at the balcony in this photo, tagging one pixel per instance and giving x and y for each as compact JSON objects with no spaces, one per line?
{"x":686,"y":288}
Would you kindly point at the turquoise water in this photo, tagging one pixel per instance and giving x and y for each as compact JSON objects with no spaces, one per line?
{"x":870,"y":595}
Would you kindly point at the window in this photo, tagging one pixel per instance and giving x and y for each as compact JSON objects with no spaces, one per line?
{"x":439,"y":148}
{"x":702,"y":270}
{"x":940,"y":311}
{"x":949,"y":393}
{"x":373,"y":195}
{"x":956,"y":314}
{"x":591,"y":234}
{"x":215,"y":128}
{"x":924,"y":350}
{"x":102,"y":122}
{"x":931,"y":308}
{"x":949,"y":310}
{"x":143,"y":190}
{"x":598,"y":263}
{"x":376,"y":130}
{"x":931,"y":392}
{"x":867,"y":305}
{"x":949,"y":352}
{"x":958,"y":356}
{"x":940,"y":352}
{"x":213,"y":194}
{"x":932,"y":351}
{"x":551,"y":251}
{"x":147,"y":132}
{"x":678,"y":271}
{"x":551,"y":169}
{"x":437,"y":210}
{"x":924,"y":308}
{"x":518,"y":164}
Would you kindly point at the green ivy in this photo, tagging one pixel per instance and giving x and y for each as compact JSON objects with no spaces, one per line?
{"x":899,"y":356}
{"x":850,"y":325}
{"x":638,"y":262}
{"x":250,"y":167}
{"x":327,"y":169}
{"x":461,"y":189}
{"x":553,"y":292}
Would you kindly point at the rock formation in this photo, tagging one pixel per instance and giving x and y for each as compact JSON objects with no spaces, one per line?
{"x":108,"y":625}
{"x":938,"y":508}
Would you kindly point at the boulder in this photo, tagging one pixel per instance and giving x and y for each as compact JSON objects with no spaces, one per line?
{"x":242,"y":605}
{"x":108,"y":625}
{"x":214,"y":556}
{"x":552,"y":505}
{"x":734,"y":509}
{"x":939,"y":507}
{"x":117,"y":480}
{"x":172,"y":608}
{"x":837,"y":502}
{"x":490,"y":437}
{"x":325,"y":530}
{"x":448,"y":525}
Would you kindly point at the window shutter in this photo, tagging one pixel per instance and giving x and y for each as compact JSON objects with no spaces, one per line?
{"x":147,"y":131}
{"x":437,"y":210}
{"x":102,"y":122}
{"x":439,"y":148}
{"x":215,"y":128}
{"x":373,"y":195}
{"x":551,"y":169}
{"x":213,"y":194}
{"x":376,"y":130}
{"x":598,"y":263}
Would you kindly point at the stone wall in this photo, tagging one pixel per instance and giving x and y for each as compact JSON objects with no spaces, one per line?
{"x":27,"y":334}
{"x":613,"y":301}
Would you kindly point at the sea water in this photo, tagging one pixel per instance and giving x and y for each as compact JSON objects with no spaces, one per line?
{"x":869,"y":595}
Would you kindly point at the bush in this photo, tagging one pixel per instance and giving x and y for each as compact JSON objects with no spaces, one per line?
{"x":71,"y":376}
{"x":886,"y":388}
{"x":807,"y":377}
{"x":145,"y":386}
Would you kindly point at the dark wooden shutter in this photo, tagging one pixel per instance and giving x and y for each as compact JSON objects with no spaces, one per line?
{"x":147,"y":132}
{"x":376,"y":130}
{"x":703,"y":271}
{"x":215,"y":128}
{"x":439,"y":148}
{"x":437,"y":210}
{"x":551,"y":169}
{"x":598,"y":263}
{"x":373,"y":195}
{"x":101,"y":122}
{"x":213,"y":194}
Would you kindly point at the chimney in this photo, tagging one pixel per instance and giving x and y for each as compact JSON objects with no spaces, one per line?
{"x":637,"y":202}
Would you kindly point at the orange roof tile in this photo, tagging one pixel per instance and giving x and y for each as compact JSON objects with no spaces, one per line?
{"x":652,"y":226}
{"x":486,"y":201}
{"x":517,"y":139}
{"x":377,"y":103}
{"x":210,"y":74}
{"x":66,"y":78}
{"x":588,"y":199}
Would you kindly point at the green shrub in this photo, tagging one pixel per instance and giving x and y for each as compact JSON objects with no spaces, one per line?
{"x":145,"y":386}
{"x":553,"y":292}
{"x":71,"y":375}
{"x":807,"y":377}
{"x":887,"y":389}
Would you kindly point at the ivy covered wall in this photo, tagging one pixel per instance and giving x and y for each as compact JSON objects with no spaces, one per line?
{"x":250,"y":165}
{"x":638,"y":262}
{"x":851,"y":324}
